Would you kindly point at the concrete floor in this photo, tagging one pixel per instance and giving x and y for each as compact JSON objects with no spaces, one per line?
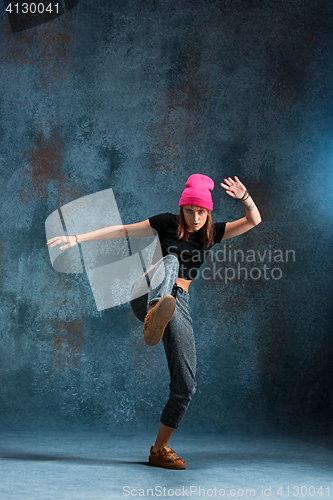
{"x":49,"y":465}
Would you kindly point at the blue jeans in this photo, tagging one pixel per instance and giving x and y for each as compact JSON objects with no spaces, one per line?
{"x":178,"y":338}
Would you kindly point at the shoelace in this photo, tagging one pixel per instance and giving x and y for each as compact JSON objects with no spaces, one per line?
{"x":176,"y":289}
{"x":169,"y":453}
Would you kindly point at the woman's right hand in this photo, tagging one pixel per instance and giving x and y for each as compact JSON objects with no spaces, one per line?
{"x":69,"y":241}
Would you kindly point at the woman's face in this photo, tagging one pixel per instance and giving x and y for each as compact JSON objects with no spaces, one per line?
{"x":195,"y":217}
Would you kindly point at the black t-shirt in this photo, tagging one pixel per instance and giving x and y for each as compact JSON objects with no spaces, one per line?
{"x":190,"y":254}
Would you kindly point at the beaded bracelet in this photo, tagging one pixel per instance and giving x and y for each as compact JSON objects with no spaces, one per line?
{"x":77,"y":241}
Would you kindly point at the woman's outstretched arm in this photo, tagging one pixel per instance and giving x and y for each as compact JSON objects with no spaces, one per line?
{"x":106,"y":233}
{"x":237,"y":190}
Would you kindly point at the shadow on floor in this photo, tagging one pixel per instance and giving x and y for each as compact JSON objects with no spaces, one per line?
{"x":205,"y":458}
{"x":41,"y":457}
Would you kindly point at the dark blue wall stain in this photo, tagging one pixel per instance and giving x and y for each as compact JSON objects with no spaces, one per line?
{"x":137,"y":96}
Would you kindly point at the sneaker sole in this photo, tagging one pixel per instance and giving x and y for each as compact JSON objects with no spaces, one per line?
{"x":166,"y":465}
{"x":160,"y":317}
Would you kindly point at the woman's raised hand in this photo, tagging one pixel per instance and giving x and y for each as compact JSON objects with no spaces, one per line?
{"x":234,"y":188}
{"x":70,"y":241}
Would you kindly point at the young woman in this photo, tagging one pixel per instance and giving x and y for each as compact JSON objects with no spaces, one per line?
{"x":165,"y":308}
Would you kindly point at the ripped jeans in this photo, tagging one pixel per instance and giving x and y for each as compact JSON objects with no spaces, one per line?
{"x":178,"y":338}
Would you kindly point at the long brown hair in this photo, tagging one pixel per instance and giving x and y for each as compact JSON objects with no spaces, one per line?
{"x":208,"y":235}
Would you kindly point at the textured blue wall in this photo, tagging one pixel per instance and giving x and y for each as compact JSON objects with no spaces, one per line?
{"x":137,"y":96}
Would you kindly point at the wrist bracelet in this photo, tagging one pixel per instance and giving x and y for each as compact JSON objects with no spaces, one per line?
{"x":244,"y":197}
{"x":77,"y":241}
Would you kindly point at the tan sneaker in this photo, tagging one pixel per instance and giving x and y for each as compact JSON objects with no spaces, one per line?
{"x":157,"y":319}
{"x":166,"y":458}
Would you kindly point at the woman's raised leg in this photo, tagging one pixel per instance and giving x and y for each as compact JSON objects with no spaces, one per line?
{"x":161,"y":303}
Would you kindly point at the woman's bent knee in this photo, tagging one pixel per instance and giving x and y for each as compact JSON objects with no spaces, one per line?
{"x":172,"y":259}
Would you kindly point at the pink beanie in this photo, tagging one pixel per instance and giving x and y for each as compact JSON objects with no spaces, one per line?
{"x":198,"y":192}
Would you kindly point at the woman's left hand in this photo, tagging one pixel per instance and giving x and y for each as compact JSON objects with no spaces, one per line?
{"x":234,"y":188}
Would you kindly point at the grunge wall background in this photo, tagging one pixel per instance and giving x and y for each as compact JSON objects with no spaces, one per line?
{"x":137,"y":96}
